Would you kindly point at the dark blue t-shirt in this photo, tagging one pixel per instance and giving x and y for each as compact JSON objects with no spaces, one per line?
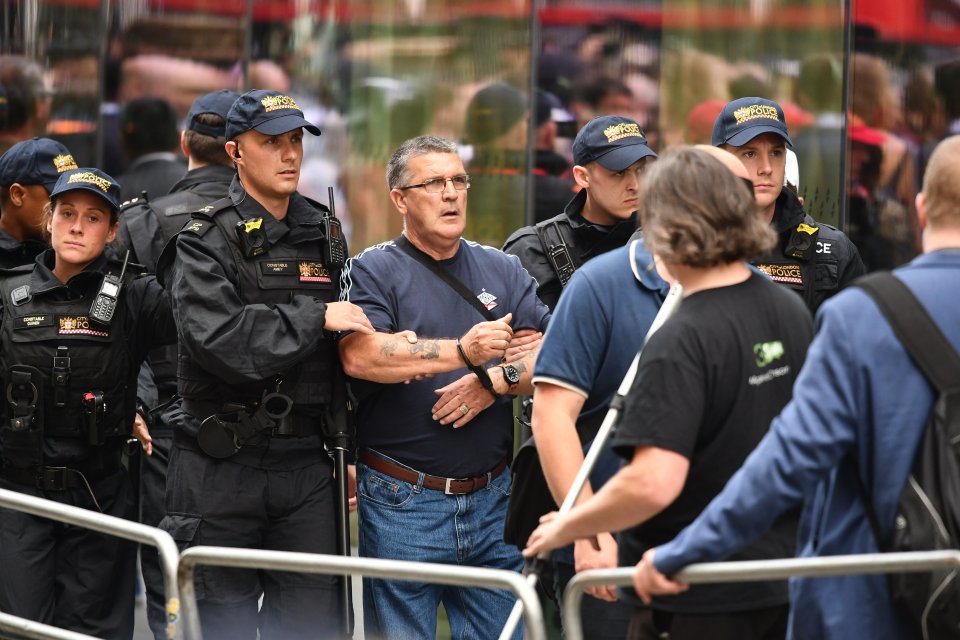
{"x":398,"y":293}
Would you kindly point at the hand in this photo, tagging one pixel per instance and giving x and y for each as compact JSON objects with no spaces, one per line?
{"x":523,"y":342}
{"x":142,"y":433}
{"x":346,"y":316}
{"x":487,"y":340}
{"x":548,"y":536}
{"x":649,"y":582}
{"x":587,"y":556}
{"x":465,"y":392}
{"x":352,"y":487}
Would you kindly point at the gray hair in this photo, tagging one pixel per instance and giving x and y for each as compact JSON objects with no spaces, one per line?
{"x":397,"y":174}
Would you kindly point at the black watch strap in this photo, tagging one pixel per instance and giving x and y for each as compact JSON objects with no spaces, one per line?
{"x":478,"y":370}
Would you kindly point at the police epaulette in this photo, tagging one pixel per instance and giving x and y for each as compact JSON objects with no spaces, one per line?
{"x":209,"y":210}
{"x":132,"y":202}
{"x":198,"y":225}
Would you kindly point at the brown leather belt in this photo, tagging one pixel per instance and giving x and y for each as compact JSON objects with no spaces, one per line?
{"x":451,"y":486}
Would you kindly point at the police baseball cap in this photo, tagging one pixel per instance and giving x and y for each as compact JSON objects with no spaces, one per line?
{"x":744,"y":119}
{"x":89,"y":179}
{"x":613,"y":141}
{"x":35,"y":161}
{"x":269,"y":112}
{"x":218,"y":103}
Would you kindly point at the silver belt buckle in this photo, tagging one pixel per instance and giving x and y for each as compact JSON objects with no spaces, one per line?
{"x":446,"y":488}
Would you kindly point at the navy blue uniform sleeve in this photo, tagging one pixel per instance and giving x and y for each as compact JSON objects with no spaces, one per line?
{"x":575,"y":343}
{"x":238,"y":342}
{"x":809,"y":439}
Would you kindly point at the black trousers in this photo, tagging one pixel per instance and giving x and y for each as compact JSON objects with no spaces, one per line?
{"x":153,"y":485}
{"x":221,"y":503}
{"x":67,"y":576}
{"x":757,"y":624}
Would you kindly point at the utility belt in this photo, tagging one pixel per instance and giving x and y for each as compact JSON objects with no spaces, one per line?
{"x":450,"y":486}
{"x":226,"y":427}
{"x":77,"y":475}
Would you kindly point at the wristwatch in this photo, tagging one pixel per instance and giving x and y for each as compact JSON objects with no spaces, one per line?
{"x":510,"y":374}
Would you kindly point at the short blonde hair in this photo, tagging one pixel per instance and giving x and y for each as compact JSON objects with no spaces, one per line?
{"x":941,"y":184}
{"x":696,"y":212}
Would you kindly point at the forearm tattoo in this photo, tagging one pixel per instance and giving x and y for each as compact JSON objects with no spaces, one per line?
{"x":428,"y":349}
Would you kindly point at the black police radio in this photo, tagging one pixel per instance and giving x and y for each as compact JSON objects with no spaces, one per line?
{"x":105,"y":304}
{"x":335,"y":249}
{"x":560,"y":258}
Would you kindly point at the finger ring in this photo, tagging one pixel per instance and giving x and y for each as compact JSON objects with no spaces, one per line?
{"x":464,"y":409}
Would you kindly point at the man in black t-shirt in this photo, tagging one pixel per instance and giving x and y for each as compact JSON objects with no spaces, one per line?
{"x":708,"y":385}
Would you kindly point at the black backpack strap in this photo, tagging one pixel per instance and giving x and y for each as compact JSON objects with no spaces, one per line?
{"x":915,"y":329}
{"x":923,"y":340}
{"x":443,"y":274}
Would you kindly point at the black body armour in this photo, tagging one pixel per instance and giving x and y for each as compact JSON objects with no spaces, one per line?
{"x":64,"y":375}
{"x":270,"y":274}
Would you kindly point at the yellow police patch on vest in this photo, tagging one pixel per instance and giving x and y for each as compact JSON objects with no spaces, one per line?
{"x":73,"y":325}
{"x":788,"y":273}
{"x":314,"y":272}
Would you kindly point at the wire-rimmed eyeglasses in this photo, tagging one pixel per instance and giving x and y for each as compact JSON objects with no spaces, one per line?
{"x":437,"y":185}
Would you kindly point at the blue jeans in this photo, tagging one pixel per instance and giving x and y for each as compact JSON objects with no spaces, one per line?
{"x":402,"y":521}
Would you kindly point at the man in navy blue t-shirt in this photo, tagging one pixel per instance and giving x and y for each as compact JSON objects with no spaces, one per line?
{"x":434,"y":428}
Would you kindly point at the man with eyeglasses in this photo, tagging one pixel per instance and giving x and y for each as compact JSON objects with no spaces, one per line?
{"x":814,"y":259}
{"x":435,"y":419}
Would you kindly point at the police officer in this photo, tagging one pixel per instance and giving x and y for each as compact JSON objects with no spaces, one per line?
{"x":252,"y":284}
{"x":75,"y":328}
{"x":608,"y":154}
{"x":145,"y":227}
{"x":28,"y":172}
{"x":812,"y":258}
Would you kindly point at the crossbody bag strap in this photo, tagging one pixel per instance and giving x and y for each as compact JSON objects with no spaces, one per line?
{"x":444,"y":275}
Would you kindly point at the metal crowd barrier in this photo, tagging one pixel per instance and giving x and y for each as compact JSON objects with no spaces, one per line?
{"x":341,"y":565}
{"x":758,"y":570}
{"x":109,"y":525}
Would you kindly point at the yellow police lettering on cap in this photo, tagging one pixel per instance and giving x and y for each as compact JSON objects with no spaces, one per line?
{"x":623,"y":130}
{"x":65,"y":162}
{"x":787,"y":273}
{"x":88,"y":177}
{"x":753,"y":111}
{"x":272,"y":103}
{"x":803,"y":227}
{"x":250,"y":225}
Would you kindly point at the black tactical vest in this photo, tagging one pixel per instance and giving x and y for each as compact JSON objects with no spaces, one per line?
{"x":76,"y":373}
{"x":291,"y":267}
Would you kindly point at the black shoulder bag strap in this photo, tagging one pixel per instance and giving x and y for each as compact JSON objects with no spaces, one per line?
{"x":923,"y":340}
{"x":443,"y":274}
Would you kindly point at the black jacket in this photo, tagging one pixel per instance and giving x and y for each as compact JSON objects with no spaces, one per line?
{"x":583,"y":239}
{"x":41,"y":318}
{"x":831,"y":262}
{"x":146,"y":226}
{"x":252,"y":323}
